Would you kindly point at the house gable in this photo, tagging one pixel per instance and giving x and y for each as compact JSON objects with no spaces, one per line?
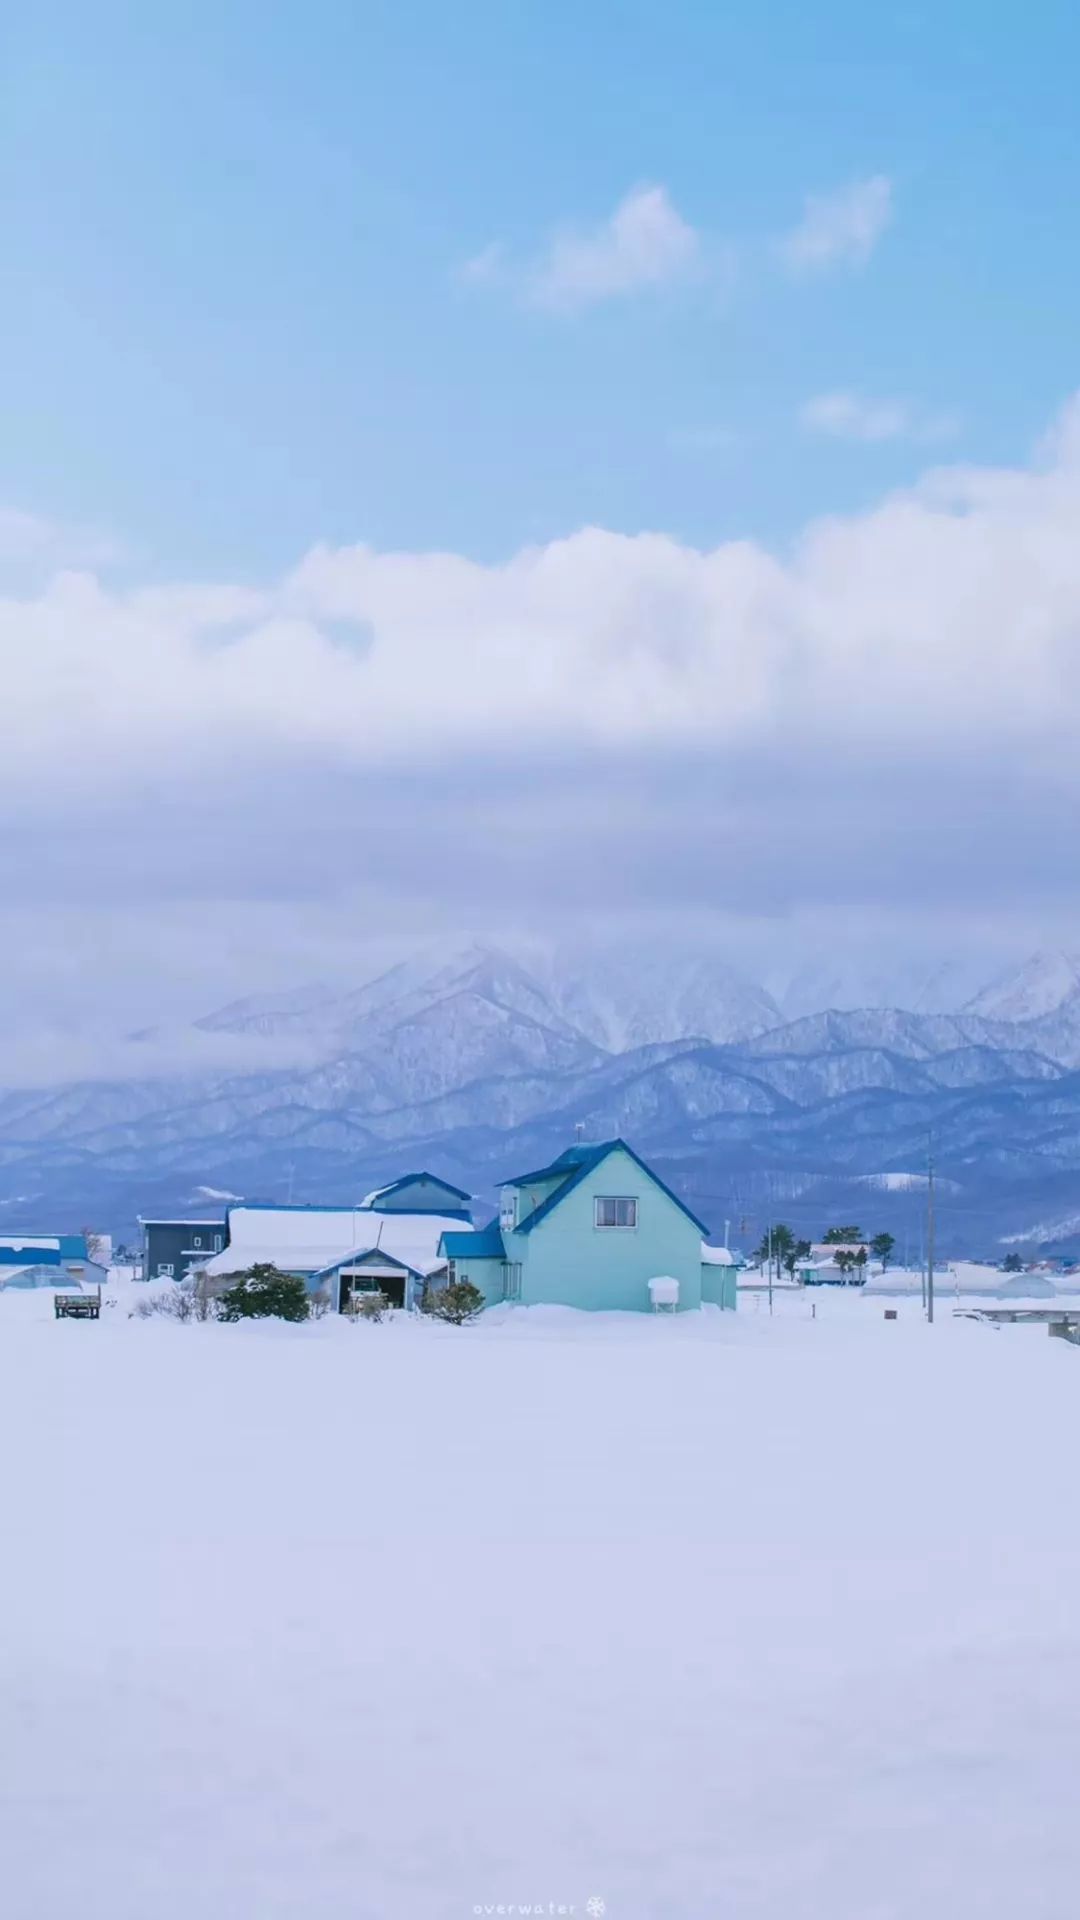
{"x":578,"y":1165}
{"x":565,"y":1254}
{"x":365,"y":1258}
{"x":420,"y":1193}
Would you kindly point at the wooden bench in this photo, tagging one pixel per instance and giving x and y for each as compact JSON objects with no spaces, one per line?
{"x":77,"y":1306}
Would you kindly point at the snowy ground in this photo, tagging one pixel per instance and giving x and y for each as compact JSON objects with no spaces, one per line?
{"x":715,"y":1615}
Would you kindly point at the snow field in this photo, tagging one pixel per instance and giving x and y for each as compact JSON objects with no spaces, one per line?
{"x":696,"y":1615}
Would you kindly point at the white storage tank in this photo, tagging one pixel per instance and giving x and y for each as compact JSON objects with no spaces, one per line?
{"x":664,"y":1292}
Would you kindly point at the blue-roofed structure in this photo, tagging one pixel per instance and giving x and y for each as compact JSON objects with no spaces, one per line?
{"x":484,"y":1243}
{"x":388,"y":1241}
{"x":420,"y":1193}
{"x":574,"y":1166}
{"x":53,"y":1259}
{"x":590,"y":1229}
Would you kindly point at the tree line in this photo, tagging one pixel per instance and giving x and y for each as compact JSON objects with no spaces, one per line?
{"x":781,"y":1252}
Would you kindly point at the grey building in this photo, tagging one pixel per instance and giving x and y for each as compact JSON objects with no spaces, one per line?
{"x":172,"y":1247}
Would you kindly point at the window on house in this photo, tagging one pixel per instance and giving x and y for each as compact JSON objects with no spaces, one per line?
{"x":508,"y":1210}
{"x":165,"y":1269}
{"x":512,"y":1280}
{"x":451,"y":1272}
{"x":611,"y":1210}
{"x":217,"y":1243}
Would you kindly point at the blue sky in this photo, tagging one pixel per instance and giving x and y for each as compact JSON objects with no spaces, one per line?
{"x":236,"y":321}
{"x":480,"y":470}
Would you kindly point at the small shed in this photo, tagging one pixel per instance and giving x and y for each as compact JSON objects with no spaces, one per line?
{"x":719,"y":1274}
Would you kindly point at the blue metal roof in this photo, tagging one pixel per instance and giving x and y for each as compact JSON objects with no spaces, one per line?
{"x":409,"y":1180}
{"x":578,"y":1163}
{"x":485,"y":1244}
{"x":15,"y":1251}
{"x":20,"y":1250}
{"x":566,"y":1163}
{"x":360,"y":1254}
{"x":421,"y":1213}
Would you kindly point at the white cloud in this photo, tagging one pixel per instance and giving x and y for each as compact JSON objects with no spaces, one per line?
{"x":605,"y":724}
{"x":852,"y":416}
{"x":644,"y":243}
{"x":954,"y":605}
{"x":28,"y":540}
{"x":844,"y":226}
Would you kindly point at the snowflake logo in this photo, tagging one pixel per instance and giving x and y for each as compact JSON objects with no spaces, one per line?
{"x":596,"y":1908}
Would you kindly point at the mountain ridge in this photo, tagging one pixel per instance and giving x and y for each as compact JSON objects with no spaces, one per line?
{"x":465,"y":1055}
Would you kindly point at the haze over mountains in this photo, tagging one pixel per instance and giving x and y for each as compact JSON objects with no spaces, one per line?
{"x":754,"y":1103}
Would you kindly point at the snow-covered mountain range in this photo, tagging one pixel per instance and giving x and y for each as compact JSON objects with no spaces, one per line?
{"x":471,"y":1059}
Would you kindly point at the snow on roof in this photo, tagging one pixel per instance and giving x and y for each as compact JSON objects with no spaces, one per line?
{"x":313,"y":1239}
{"x":205,"y":1220}
{"x":716,"y":1256}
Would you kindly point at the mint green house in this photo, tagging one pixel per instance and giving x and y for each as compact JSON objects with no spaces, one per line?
{"x":590,"y":1230}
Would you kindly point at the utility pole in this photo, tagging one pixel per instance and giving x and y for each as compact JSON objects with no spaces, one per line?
{"x":770,"y":1269}
{"x":922,"y":1262}
{"x":930,"y":1231}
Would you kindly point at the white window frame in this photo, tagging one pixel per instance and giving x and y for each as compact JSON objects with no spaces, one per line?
{"x":217,"y":1243}
{"x":166,"y":1269}
{"x":512,"y":1280}
{"x":616,"y":1200}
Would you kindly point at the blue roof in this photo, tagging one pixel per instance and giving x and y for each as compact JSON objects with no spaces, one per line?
{"x":359,"y":1254}
{"x":409,"y":1180}
{"x":581,"y":1155}
{"x":16,"y":1250}
{"x":485,"y":1244}
{"x":420,"y":1213}
{"x":577,"y":1163}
